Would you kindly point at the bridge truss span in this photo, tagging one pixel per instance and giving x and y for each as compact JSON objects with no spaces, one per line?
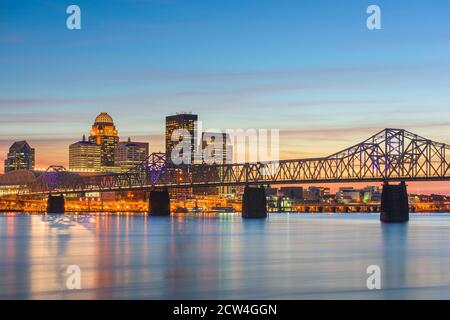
{"x":390,"y":155}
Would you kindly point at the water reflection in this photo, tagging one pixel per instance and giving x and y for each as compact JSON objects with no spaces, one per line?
{"x":14,"y":275}
{"x":395,"y":260}
{"x":288,"y":256}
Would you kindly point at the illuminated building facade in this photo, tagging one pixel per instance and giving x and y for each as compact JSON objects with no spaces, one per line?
{"x":20,"y":156}
{"x":129,"y":154}
{"x":85,"y":155}
{"x":104,"y":134}
{"x":185,"y":121}
{"x":351,"y":195}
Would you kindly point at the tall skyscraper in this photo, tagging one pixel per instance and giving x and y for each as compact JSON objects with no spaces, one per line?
{"x":185,"y":121}
{"x":129,"y":154}
{"x":104,"y":134}
{"x":85,"y":155}
{"x":20,"y":156}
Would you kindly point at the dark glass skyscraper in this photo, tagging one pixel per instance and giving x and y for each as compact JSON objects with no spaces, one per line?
{"x":20,"y":156}
{"x":184,"y":121}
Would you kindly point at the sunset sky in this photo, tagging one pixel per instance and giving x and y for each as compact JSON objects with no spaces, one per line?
{"x":310,"y":68}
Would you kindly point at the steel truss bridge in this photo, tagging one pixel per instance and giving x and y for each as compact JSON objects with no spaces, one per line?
{"x":390,"y":155}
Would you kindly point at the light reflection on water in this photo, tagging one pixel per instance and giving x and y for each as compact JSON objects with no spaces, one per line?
{"x":288,"y":256}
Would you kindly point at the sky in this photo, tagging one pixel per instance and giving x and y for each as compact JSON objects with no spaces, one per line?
{"x":310,"y":68}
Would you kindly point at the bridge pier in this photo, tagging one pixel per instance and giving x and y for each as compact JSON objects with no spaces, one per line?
{"x":254,"y":203}
{"x":394,"y":203}
{"x":159,"y":203}
{"x":55,"y":204}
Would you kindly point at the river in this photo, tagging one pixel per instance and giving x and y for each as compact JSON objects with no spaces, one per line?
{"x":222,"y":256}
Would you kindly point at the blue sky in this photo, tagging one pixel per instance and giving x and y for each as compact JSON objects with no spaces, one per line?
{"x":310,"y":68}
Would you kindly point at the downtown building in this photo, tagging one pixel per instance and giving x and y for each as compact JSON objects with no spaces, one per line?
{"x":103,"y":152}
{"x":105,"y":135}
{"x":20,"y":157}
{"x":218,"y":143}
{"x":85,"y":156}
{"x":212,"y":148}
{"x":216,"y":149}
{"x":186,"y":125}
{"x":130,"y":154}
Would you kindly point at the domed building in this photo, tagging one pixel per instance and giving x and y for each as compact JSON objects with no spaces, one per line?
{"x":105,"y":134}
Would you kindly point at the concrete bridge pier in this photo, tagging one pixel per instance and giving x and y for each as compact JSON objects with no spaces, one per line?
{"x":159,"y":203}
{"x":394,"y":203}
{"x":254,"y":203}
{"x":55,"y":204}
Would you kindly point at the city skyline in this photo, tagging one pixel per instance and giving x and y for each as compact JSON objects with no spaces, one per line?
{"x":324,"y":90}
{"x":226,"y":157}
{"x":103,"y":118}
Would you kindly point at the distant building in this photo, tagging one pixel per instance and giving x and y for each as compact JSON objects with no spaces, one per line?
{"x":130,"y":154}
{"x":315,"y":194}
{"x":371,"y":194}
{"x":20,"y":156}
{"x":85,"y":155}
{"x":186,"y":122}
{"x":292,"y":192}
{"x":216,"y":148}
{"x":365,"y":195}
{"x":348,"y":195}
{"x":105,"y":134}
{"x":272,"y":192}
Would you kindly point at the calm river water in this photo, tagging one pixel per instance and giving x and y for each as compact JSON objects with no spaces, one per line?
{"x":288,"y":256}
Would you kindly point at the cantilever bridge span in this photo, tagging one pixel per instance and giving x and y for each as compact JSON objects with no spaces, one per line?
{"x":390,"y":155}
